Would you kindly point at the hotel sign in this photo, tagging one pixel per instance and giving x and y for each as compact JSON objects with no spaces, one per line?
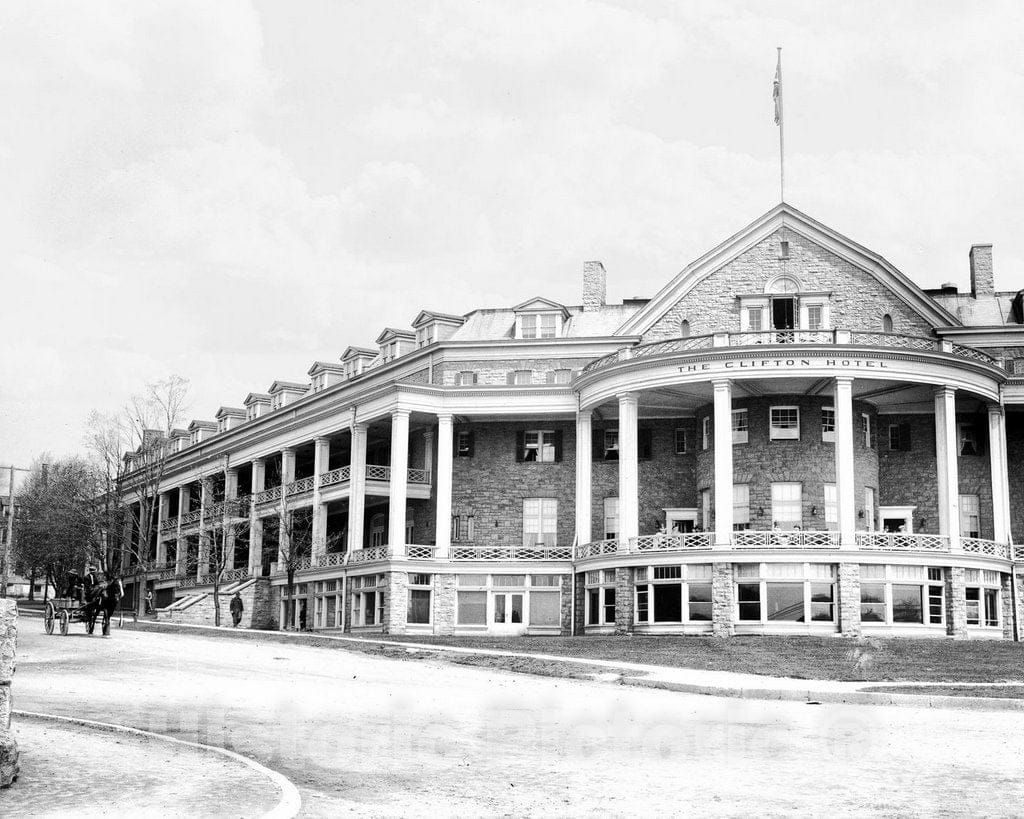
{"x":778,"y":363}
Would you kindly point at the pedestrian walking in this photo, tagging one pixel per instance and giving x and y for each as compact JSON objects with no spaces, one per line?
{"x":149,"y":601}
{"x":236,"y":610}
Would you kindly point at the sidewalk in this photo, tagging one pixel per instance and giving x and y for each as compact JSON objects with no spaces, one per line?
{"x":71,"y":768}
{"x":685,"y":680}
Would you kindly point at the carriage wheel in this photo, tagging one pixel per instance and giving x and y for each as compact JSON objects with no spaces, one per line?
{"x":64,"y":622}
{"x":48,"y":615}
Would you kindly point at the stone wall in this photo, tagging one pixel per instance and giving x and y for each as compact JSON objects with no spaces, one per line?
{"x":624,"y":600}
{"x":956,"y":602}
{"x":444,"y":604}
{"x":858,"y":299}
{"x":9,"y":765}
{"x":495,"y":372}
{"x":722,"y":607}
{"x":849,"y":599}
{"x":255,"y":608}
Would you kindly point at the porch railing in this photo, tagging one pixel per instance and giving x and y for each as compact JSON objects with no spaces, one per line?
{"x":902,"y":542}
{"x":511,"y":553}
{"x":980,"y":546}
{"x":774,"y":539}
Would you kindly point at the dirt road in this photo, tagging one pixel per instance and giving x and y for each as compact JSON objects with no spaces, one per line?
{"x":399,"y":737}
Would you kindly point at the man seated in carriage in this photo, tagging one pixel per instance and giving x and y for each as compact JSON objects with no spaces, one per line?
{"x":74,"y":589}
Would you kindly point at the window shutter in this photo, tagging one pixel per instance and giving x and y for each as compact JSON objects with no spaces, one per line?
{"x":557,"y":440}
{"x":597,"y":448}
{"x":643,"y":440}
{"x":511,"y":378}
{"x":520,"y":445}
{"x":905,"y":444}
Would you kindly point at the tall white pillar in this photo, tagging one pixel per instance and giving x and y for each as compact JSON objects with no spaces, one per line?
{"x":231,"y":484}
{"x":181,"y":550}
{"x":629,"y":482}
{"x":428,"y":452}
{"x":1000,"y":474}
{"x":161,"y":518}
{"x":259,"y":483}
{"x":398,"y":490}
{"x":357,"y":488}
{"x":723,"y":462}
{"x":205,"y":497}
{"x":445,"y":463}
{"x":229,"y":516}
{"x":321,"y":459}
{"x":846,"y":500}
{"x":946,"y":465}
{"x":584,"y":456}
{"x":287,"y":476}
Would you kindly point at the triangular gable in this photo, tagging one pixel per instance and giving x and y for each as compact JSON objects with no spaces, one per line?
{"x":325,"y":366}
{"x":786,"y":216}
{"x":287,"y":386}
{"x":358,"y":352}
{"x":234,"y":412}
{"x":389,"y":333}
{"x":256,"y":398}
{"x":427,"y":316}
{"x":540,"y":305}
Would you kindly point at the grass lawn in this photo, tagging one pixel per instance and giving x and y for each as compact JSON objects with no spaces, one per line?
{"x":820,"y":658}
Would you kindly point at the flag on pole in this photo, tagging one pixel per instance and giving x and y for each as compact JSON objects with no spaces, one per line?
{"x":777,"y":90}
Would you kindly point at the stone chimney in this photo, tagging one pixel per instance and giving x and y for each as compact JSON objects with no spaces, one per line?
{"x":983,"y":281}
{"x":595,"y":285}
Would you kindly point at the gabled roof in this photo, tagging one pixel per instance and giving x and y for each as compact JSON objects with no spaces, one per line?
{"x":178,"y":433}
{"x":389,"y":333}
{"x":227,"y":412}
{"x":539,"y":304}
{"x":325,"y":366}
{"x":287,"y":386}
{"x":202,"y":425}
{"x":784,"y":215}
{"x":358,"y":352}
{"x":427,"y":316}
{"x":256,"y":398}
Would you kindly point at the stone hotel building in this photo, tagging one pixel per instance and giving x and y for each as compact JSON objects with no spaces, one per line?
{"x":790,"y":437}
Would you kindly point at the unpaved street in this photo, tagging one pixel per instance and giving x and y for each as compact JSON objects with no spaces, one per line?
{"x":382,"y":736}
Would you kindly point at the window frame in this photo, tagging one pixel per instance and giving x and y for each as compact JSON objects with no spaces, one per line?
{"x":828,"y":435}
{"x":740,"y":422}
{"x":779,"y":432}
{"x":546,"y":513}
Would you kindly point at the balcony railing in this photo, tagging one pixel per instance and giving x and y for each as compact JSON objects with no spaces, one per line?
{"x":775,"y":539}
{"x":227,"y":576}
{"x":268,"y":495}
{"x":300,"y":486}
{"x":790,"y":337}
{"x":170,"y":523}
{"x":369,"y":555}
{"x":902,"y":542}
{"x":979,"y":546}
{"x":333,"y":559}
{"x":190,"y":517}
{"x":335,"y":476}
{"x":511,"y":553}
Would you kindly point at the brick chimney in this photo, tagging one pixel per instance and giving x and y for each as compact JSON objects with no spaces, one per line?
{"x":983,"y":281}
{"x":595,"y":285}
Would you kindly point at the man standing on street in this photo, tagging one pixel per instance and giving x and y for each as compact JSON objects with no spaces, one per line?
{"x":236,"y":610}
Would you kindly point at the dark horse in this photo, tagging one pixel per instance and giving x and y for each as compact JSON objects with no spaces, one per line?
{"x":103,"y":599}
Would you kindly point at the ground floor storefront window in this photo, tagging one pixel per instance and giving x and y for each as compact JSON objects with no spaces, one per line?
{"x":600,"y":591}
{"x":902,"y":595}
{"x":785,"y":592}
{"x":328,"y":605}
{"x":508,"y":603}
{"x":295,"y":608}
{"x":368,"y":599}
{"x":420,"y":592}
{"x":673,"y":594}
{"x":982,"y":596}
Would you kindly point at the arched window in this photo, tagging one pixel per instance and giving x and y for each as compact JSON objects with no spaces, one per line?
{"x":886,"y":323}
{"x":783,"y":285}
{"x":378,"y":530}
{"x":684,"y":329}
{"x":410,"y":524}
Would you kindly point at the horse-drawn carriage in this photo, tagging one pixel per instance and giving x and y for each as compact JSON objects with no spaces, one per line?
{"x":84,"y":602}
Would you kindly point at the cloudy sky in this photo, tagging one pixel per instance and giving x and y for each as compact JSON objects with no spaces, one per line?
{"x":229,"y":191}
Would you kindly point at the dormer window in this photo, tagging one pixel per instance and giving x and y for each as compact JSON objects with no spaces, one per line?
{"x":539,"y":325}
{"x":426,"y":335}
{"x":252,"y":412}
{"x":540,"y":319}
{"x":222,"y":425}
{"x":389,"y":352}
{"x":319,"y":381}
{"x":277,"y":401}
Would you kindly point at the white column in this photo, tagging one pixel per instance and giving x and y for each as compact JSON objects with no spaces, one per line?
{"x":357,"y":487}
{"x":231,"y":484}
{"x":946,"y":466}
{"x":428,"y":451}
{"x":321,"y":459}
{"x":287,"y":476}
{"x":161,"y":518}
{"x":584,"y":456}
{"x":846,"y":500}
{"x":204,"y":545}
{"x":398,"y":490}
{"x":1000,"y":473}
{"x":723,"y":462}
{"x":629,"y":484}
{"x":259,"y":479}
{"x":181,"y":549}
{"x":445,"y":462}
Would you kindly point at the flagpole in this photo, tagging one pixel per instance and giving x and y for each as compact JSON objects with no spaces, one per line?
{"x":782,"y":136}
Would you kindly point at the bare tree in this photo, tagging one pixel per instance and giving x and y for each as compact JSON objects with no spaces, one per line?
{"x":218,"y":540}
{"x":130,"y":449}
{"x":295,"y":551}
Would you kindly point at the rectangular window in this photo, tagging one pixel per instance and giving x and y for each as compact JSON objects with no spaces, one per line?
{"x":740,"y":506}
{"x":822,"y":602}
{"x":529,"y":326}
{"x":828,"y":424}
{"x":899,"y":437}
{"x":539,"y":446}
{"x":548,"y":325}
{"x":611,"y":444}
{"x":970,"y":519}
{"x":831,"y":506}
{"x":784,"y":423}
{"x":540,"y":522}
{"x":419,"y":606}
{"x":699,"y":601}
{"x":456,"y":527}
{"x":967,"y":440}
{"x":680,"y":438}
{"x":522,"y":378}
{"x":907,"y":604}
{"x":611,"y":518}
{"x":705,"y":509}
{"x":785,"y":601}
{"x":466,"y":378}
{"x":815,"y":314}
{"x":563,"y":376}
{"x":991,"y":607}
{"x":872,"y":602}
{"x":787,"y":505}
{"x":869,"y":508}
{"x":464,"y":443}
{"x":755,"y":321}
{"x":668,"y":602}
{"x":739,"y":426}
{"x":546,"y":609}
{"x":866,"y":430}
{"x":472,"y":608}
{"x":749,"y":597}
{"x":705,"y":432}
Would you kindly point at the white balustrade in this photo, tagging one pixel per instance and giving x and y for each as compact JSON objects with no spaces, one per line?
{"x":335,"y":476}
{"x":902,"y":542}
{"x":416,"y":551}
{"x":375,"y":472}
{"x":980,"y":546}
